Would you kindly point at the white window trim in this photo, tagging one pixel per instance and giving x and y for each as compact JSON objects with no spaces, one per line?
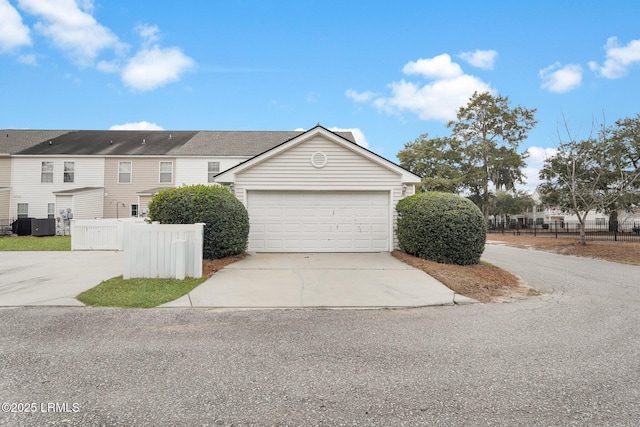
{"x":72,"y":172}
{"x":130,"y":172}
{"x":210,"y":175}
{"x":48,"y":173}
{"x":160,"y":181}
{"x":137,"y":206}
{"x":26,"y":214}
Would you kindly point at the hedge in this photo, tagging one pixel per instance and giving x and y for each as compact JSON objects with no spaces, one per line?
{"x":226,"y":231}
{"x":441,"y":227}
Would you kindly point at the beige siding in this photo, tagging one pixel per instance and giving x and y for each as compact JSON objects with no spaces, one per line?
{"x":145,"y":175}
{"x":5,"y":171}
{"x":144,"y":203}
{"x":4,"y":205}
{"x":5,"y":194}
{"x":344,"y":170}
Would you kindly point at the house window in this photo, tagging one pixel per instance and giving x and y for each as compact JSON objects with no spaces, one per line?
{"x":600,"y":221}
{"x":51,"y":210}
{"x":69,"y":171}
{"x":23,"y":210}
{"x":214,"y":169}
{"x":124,"y":172}
{"x":166,"y":172}
{"x":134,"y":210}
{"x":46,"y":172}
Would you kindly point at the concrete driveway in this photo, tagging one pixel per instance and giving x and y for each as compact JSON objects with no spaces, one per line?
{"x":53,"y":278}
{"x":345,"y":280}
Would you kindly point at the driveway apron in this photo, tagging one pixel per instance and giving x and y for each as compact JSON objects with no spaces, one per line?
{"x":53,"y":278}
{"x":302,"y":280}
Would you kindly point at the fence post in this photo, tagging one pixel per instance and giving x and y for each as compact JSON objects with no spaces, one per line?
{"x":198,"y":249}
{"x":73,"y":233}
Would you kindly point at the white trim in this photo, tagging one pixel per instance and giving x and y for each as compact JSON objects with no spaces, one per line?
{"x":392,"y":234}
{"x":64,"y":162}
{"x":318,"y":188}
{"x":160,"y":171}
{"x":130,"y":172}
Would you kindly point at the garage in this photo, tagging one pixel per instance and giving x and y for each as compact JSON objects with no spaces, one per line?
{"x":318,"y":221}
{"x":320,"y":192}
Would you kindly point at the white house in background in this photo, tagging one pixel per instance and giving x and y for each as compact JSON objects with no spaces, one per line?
{"x":37,"y":181}
{"x":313,"y":191}
{"x":540,"y":214}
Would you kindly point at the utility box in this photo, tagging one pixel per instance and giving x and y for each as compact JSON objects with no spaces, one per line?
{"x":43,"y":227}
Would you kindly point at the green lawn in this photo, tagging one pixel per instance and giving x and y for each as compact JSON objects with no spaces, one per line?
{"x":137,"y":293}
{"x":31,"y":243}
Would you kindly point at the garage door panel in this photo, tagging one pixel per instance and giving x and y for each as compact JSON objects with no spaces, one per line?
{"x":318,"y":221}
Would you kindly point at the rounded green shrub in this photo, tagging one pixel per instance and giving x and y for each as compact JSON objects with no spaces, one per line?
{"x":226,"y":230}
{"x":441,"y":227}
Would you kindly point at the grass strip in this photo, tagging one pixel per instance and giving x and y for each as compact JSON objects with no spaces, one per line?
{"x":32,"y":243}
{"x":138,"y":292}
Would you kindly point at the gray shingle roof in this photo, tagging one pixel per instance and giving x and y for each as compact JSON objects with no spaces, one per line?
{"x":140,"y":143}
{"x":13,"y":141}
{"x":112,"y":142}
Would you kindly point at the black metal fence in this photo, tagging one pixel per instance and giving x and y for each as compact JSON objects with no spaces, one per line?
{"x":628,"y":231}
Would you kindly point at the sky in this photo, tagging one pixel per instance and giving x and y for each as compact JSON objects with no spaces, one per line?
{"x":387,"y":71}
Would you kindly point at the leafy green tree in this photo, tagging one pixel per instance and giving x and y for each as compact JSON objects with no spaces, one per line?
{"x":594,"y":174}
{"x":490,"y":133}
{"x":482,"y":149}
{"x":626,"y":133}
{"x":437,"y":160}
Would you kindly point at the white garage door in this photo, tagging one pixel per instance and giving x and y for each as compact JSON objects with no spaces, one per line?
{"x":314,"y":221}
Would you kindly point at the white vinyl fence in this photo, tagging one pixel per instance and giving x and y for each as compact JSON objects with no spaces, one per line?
{"x":163,"y":250}
{"x":99,"y":234}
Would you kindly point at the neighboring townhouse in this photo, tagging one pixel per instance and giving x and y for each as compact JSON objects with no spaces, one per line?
{"x":5,"y":187}
{"x":305,"y":191}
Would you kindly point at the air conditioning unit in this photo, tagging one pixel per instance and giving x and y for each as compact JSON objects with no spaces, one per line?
{"x":43,"y":227}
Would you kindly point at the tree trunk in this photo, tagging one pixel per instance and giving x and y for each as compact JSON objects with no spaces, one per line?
{"x":583,"y":234}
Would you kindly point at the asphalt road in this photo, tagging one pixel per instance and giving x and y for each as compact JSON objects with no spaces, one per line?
{"x":569,"y":357}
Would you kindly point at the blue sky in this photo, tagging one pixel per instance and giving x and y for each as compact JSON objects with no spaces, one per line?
{"x":389,"y":70}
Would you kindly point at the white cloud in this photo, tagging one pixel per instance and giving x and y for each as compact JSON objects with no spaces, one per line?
{"x":618,"y":59}
{"x":28,"y":59}
{"x":358,"y":135}
{"x":149,"y":33}
{"x":438,"y":100}
{"x":480,"y":58}
{"x":449,"y":89}
{"x":438,"y":67}
{"x":360,"y":97}
{"x":13,"y":33}
{"x":535,"y":161}
{"x":72,"y":28}
{"x":108,"y":66}
{"x":155,"y":67}
{"x":137,"y":126}
{"x":560,"y":79}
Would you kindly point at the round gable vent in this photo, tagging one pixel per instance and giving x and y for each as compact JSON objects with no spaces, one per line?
{"x":318,"y":159}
